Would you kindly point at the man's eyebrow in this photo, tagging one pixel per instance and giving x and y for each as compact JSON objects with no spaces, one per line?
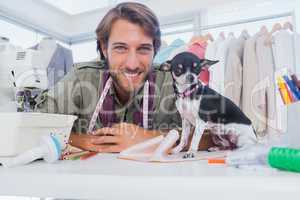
{"x":147,"y":45}
{"x":119,"y":43}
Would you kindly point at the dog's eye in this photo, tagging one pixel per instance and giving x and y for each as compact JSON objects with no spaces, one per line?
{"x":196,"y":69}
{"x":178,"y":71}
{"x":180,"y":66}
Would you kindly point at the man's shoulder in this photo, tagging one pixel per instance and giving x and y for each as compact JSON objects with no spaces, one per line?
{"x":162,"y":77}
{"x":92,"y":68}
{"x":92,"y":65}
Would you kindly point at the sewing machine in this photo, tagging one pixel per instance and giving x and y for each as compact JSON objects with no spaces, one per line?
{"x":22,"y":77}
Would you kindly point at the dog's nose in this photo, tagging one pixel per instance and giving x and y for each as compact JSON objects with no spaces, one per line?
{"x":190,"y":78}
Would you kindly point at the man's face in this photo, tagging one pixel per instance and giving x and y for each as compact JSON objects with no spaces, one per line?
{"x":129,"y":53}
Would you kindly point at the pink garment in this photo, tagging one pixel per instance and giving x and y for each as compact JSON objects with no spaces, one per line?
{"x":198,"y":48}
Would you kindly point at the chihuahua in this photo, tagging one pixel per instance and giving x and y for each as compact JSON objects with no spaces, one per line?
{"x":202,"y":107}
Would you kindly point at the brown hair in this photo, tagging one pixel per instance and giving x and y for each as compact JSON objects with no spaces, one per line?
{"x":135,"y":13}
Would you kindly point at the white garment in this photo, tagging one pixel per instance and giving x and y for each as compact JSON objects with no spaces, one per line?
{"x":46,"y":50}
{"x":234,"y":69}
{"x":211,"y":49}
{"x":266,"y":67}
{"x":285,"y":46}
{"x":251,"y":93}
{"x":297,"y":52}
{"x":218,"y":70}
{"x":283,"y":50}
{"x":211,"y":54}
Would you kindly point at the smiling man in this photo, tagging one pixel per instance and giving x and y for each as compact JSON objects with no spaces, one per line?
{"x":122,"y":100}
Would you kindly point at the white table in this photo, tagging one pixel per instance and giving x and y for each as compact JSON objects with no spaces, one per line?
{"x":106,"y":177}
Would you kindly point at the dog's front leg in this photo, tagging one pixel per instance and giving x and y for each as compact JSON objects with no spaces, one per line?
{"x":186,"y":131}
{"x":199,"y":130}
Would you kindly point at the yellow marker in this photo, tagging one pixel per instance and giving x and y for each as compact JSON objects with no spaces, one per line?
{"x":286,"y":97}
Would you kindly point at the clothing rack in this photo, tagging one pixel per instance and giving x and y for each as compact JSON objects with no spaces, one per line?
{"x":237,"y":22}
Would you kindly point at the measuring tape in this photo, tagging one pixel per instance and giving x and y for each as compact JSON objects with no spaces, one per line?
{"x":102,"y":98}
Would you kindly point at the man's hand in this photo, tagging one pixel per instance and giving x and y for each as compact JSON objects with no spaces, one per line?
{"x":114,"y":139}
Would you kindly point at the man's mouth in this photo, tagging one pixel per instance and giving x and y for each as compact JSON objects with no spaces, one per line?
{"x":131,"y":75}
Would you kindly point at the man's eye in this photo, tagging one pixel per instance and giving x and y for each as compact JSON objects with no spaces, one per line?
{"x":120,"y":48}
{"x":144,"y":50}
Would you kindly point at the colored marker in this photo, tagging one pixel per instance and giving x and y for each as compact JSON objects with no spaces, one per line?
{"x":216,"y":161}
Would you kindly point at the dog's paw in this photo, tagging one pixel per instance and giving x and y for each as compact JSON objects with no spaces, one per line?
{"x":177,"y":149}
{"x":214,"y":149}
{"x":189,"y":155}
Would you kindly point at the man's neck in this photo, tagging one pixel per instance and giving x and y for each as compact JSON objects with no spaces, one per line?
{"x":122,"y":95}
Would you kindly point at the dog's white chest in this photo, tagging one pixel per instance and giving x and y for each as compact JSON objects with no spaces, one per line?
{"x":188,"y":109}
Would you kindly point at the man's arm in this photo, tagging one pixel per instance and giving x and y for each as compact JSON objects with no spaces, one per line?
{"x":113,"y":139}
{"x":122,"y":136}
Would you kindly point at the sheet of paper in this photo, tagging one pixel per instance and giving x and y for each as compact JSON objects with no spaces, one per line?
{"x":200,"y":155}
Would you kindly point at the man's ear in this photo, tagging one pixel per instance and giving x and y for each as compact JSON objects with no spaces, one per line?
{"x":165,"y":67}
{"x":207,"y":63}
{"x":103,"y":48}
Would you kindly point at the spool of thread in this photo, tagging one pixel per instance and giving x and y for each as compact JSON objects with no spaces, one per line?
{"x":285,"y":159}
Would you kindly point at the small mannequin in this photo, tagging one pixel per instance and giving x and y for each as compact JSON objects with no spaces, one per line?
{"x":47,"y":48}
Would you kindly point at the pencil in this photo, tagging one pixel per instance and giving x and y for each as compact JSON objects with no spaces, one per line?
{"x":216,"y":161}
{"x":89,"y":155}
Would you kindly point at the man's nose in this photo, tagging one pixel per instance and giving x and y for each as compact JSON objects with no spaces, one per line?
{"x":132,"y":61}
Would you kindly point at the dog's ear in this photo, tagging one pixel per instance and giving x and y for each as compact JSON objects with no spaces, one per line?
{"x":205,"y":63}
{"x":165,"y":67}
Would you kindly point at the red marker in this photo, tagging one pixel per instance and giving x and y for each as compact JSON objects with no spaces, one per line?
{"x":89,"y":155}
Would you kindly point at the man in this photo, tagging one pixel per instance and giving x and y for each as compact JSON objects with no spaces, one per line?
{"x":140,"y":102}
{"x":128,"y":38}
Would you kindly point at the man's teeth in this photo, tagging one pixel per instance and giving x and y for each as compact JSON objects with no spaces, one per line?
{"x":131,"y":74}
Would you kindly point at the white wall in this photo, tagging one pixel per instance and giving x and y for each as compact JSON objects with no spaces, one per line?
{"x":37,"y":14}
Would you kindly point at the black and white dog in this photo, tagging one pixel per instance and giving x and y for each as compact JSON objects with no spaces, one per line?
{"x":202,"y":107}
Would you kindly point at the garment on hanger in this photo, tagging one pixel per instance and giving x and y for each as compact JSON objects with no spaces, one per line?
{"x":211,"y":54}
{"x":218,"y":75}
{"x":163,"y":55}
{"x":285,"y":47}
{"x":251,"y":93}
{"x":198,"y":47}
{"x":283,"y":50}
{"x":266,"y":66}
{"x":59,"y":64}
{"x":234,"y":69}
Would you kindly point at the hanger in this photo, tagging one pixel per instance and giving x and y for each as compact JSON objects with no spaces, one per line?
{"x":245,"y":34}
{"x":264,"y":30}
{"x":193,"y":39}
{"x":200,"y":39}
{"x":269,"y":39}
{"x":288,"y":26}
{"x":231,"y":34}
{"x":209,"y":37}
{"x":222,"y":35}
{"x":276,"y":28}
